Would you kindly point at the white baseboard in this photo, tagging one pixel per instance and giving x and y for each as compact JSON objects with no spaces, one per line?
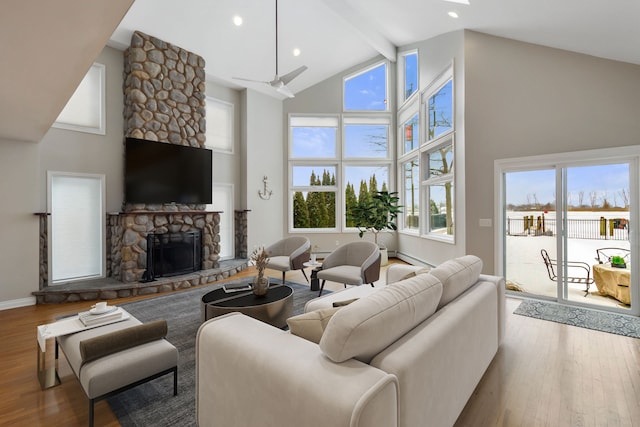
{"x":412,"y":260}
{"x":15,"y":303}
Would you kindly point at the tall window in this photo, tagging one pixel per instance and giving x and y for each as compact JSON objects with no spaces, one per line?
{"x":76,"y":203}
{"x":411,"y":196}
{"x":410,"y":75}
{"x":438,"y":157}
{"x":313,"y":169}
{"x":219,"y":134}
{"x":85,"y":110}
{"x":367,"y":90}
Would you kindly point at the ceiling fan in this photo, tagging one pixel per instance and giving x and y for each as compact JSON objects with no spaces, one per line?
{"x":279,"y":83}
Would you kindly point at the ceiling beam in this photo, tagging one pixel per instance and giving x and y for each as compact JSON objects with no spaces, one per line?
{"x":364,"y":27}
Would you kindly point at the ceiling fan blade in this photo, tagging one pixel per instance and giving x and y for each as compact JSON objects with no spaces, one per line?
{"x":292,"y":75}
{"x":284,"y":90}
{"x":249,"y":80}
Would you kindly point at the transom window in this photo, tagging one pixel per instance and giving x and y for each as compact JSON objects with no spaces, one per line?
{"x":410,"y":65}
{"x":367,"y":90}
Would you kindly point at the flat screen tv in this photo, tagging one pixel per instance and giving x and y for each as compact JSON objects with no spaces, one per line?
{"x":159,"y":172}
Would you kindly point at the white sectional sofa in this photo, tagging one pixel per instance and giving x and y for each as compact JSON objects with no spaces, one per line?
{"x":406,"y":354}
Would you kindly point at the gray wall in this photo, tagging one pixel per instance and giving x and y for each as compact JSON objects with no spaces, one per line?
{"x":524,"y":99}
{"x":262,"y":143}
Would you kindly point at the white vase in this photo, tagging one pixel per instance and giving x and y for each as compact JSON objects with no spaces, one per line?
{"x":260,"y":286}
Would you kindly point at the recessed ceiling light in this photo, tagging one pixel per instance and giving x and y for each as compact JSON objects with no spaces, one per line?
{"x":453,"y":14}
{"x":296,"y":52}
{"x":237,"y":20}
{"x":459,"y":1}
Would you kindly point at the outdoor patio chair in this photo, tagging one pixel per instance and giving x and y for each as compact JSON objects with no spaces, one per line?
{"x":577,"y":271}
{"x":604,"y":255}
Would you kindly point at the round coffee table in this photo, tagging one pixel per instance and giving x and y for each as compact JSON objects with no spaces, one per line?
{"x":274,"y":308}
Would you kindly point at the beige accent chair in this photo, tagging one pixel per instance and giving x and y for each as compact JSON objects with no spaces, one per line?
{"x":354,"y":263}
{"x":289,"y":254}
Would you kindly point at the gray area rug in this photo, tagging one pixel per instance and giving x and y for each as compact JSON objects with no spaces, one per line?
{"x":153,"y":403}
{"x":619,"y":324}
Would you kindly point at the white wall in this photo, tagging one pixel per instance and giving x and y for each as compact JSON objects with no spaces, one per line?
{"x":523,"y":100}
{"x":262,"y":141}
{"x":18,"y":224}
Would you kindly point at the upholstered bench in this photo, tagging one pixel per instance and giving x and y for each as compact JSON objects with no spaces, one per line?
{"x":115,"y":357}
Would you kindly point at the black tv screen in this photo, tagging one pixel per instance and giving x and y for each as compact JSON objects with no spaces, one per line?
{"x":158,"y":172}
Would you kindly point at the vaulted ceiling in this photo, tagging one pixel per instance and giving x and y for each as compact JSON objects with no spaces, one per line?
{"x":48,"y":46}
{"x":333,"y":35}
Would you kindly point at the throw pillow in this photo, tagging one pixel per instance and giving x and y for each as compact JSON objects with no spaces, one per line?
{"x":457,"y":275}
{"x":311,"y":325}
{"x":343,"y":303}
{"x":363,"y":329}
{"x":415,"y":273}
{"x":113,"y":342}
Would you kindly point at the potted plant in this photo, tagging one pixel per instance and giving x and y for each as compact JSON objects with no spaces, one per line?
{"x":618,"y":261}
{"x":376,"y":215}
{"x":260,"y":283}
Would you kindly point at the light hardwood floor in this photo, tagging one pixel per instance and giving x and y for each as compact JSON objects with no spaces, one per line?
{"x":545,"y":374}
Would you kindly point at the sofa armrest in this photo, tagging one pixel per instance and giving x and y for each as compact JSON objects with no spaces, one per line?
{"x":499,"y":283}
{"x":250,"y":373}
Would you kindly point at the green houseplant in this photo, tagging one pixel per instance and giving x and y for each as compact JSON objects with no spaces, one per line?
{"x":377,"y":214}
{"x":618,"y":261}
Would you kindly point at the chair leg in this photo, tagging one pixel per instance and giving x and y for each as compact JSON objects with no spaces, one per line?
{"x":305,"y":275}
{"x":91,"y":403}
{"x":321,"y":287}
{"x":175,"y":381}
{"x":372,"y":285}
{"x":283,"y":273}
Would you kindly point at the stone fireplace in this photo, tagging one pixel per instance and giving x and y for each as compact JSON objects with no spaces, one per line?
{"x":164,"y":101}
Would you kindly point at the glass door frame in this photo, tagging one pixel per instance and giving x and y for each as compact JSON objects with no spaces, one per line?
{"x":560,"y":162}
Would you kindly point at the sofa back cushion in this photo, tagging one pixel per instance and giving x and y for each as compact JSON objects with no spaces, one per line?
{"x":457,"y":275}
{"x":367,"y":326}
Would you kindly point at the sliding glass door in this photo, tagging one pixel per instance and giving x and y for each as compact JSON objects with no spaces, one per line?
{"x":567,"y":229}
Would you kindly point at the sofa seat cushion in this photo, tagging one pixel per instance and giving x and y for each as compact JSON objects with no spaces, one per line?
{"x":457,"y":275}
{"x":348,"y":274}
{"x":367,"y":326}
{"x":280,"y":263}
{"x":326,"y":301}
{"x":311,"y":325}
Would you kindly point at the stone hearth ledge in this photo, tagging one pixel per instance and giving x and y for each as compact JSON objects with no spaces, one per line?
{"x":110,"y":289}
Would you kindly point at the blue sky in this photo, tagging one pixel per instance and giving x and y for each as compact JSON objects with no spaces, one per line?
{"x":603,"y":179}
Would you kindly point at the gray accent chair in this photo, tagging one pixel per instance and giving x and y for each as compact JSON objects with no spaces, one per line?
{"x":354,"y":263}
{"x":289,"y":254}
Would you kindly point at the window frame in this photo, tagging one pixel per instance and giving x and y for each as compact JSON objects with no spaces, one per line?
{"x":429,"y":145}
{"x":364,"y":71}
{"x":403,"y":79}
{"x":446,"y":76}
{"x":341,"y":163}
{"x":100,"y":104}
{"x":427,"y":181}
{"x":227,"y":108}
